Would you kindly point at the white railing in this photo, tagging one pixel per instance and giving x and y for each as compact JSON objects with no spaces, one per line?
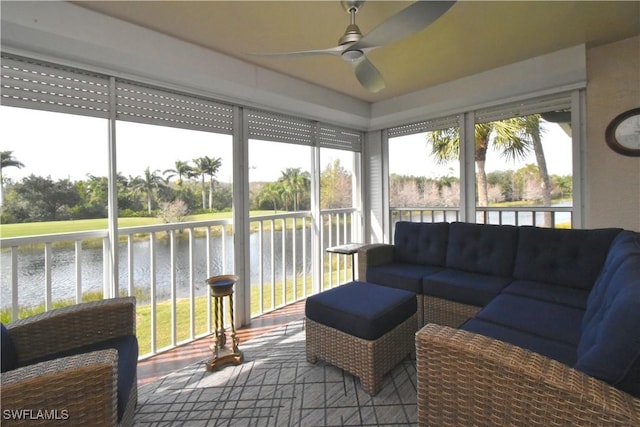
{"x":341,"y":227}
{"x":189,"y":275}
{"x":282,"y":258}
{"x":139,"y":256}
{"x":45,"y":244}
{"x":166,"y":266}
{"x":278,"y":279}
{"x":427,"y":214}
{"x":552,"y":216}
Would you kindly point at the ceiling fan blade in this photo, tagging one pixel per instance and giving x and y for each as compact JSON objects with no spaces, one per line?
{"x":336,"y":51}
{"x":406,"y":22}
{"x":368,"y":75}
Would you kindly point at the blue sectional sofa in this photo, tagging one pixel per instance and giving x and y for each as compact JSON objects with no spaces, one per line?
{"x":569,"y":299}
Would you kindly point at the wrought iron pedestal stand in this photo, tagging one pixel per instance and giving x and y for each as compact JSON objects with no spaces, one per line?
{"x":222,"y":286}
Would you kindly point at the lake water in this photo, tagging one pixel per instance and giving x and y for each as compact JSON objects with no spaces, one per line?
{"x":31,"y":271}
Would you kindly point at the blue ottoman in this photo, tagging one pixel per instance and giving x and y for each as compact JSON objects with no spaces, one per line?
{"x":362,"y":328}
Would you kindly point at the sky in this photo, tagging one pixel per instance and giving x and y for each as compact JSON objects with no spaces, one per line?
{"x":68,"y":146}
{"x":408,"y":153}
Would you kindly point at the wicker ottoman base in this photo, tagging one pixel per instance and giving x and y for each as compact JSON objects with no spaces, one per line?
{"x":367,"y":360}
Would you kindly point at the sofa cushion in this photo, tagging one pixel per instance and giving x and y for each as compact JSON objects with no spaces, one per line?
{"x":573,"y":297}
{"x":555,"y":350}
{"x":540,"y":318}
{"x":401,"y":276}
{"x":610,"y":344}
{"x":625,"y":245}
{"x":563,"y":257}
{"x":421,"y":243}
{"x":127,"y":347}
{"x":482,"y":248}
{"x":361,"y":309}
{"x":464,"y":287}
{"x":9,"y":354}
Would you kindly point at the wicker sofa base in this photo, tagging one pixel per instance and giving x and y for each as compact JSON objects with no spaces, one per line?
{"x":365,"y":359}
{"x":446,"y":313}
{"x":469,"y":379}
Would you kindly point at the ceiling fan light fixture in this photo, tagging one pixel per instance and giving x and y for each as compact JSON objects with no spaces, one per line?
{"x":352,"y":55}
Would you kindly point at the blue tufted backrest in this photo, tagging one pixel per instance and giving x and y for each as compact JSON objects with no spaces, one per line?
{"x":482,"y":248}
{"x":9,"y":356}
{"x":609,"y":347}
{"x":566,"y":257}
{"x":421,"y":243}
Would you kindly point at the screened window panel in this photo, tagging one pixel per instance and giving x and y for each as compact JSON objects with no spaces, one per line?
{"x":279,"y":128}
{"x":424,"y":126}
{"x":141,"y":104}
{"x":36,"y":85}
{"x":524,"y":108}
{"x":339,"y":138}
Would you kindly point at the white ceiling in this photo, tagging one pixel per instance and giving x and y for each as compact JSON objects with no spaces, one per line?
{"x":473,"y":36}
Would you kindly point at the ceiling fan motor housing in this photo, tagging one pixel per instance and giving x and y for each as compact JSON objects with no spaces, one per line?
{"x":352,"y":33}
{"x":352,"y":4}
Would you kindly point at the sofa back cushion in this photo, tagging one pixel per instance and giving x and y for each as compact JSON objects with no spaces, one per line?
{"x":566,"y":257}
{"x":609,"y":347}
{"x":9,"y":354}
{"x":421,"y":243}
{"x":482,"y":248}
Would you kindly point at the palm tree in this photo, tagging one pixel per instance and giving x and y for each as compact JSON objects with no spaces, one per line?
{"x":295,"y":182}
{"x":182,"y":169}
{"x":531,"y":127}
{"x":508,"y":137}
{"x":7,"y":160}
{"x":148,"y":184}
{"x":207,"y":166}
{"x":271,"y":192}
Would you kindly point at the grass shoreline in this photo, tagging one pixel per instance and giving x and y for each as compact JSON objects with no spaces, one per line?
{"x":271,"y":298}
{"x":68,"y":226}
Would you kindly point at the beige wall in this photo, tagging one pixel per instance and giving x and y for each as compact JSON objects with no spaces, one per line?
{"x":613,"y":181}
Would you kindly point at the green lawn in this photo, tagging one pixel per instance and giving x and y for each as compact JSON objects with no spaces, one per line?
{"x":51,"y":227}
{"x":183,"y":313}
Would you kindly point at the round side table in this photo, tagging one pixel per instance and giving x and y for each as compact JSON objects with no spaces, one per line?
{"x":222,"y":286}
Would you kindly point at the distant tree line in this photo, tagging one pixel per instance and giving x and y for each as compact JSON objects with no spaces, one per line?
{"x":522,"y":185}
{"x":292,"y":191}
{"x":188,"y":188}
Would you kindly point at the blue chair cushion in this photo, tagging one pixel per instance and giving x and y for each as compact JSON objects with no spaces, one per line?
{"x":400,"y":276}
{"x":127,"y":347}
{"x":539,"y":318}
{"x":625,"y":245}
{"x":566,"y":257}
{"x":464,"y":287}
{"x":610,"y":344}
{"x":361,"y":309}
{"x":482,"y":248}
{"x":573,"y":297}
{"x":421,"y":243}
{"x":9,"y":354}
{"x":562,"y":352}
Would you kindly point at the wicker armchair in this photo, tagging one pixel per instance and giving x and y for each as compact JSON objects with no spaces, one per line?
{"x":469,"y":379}
{"x":78,"y":389}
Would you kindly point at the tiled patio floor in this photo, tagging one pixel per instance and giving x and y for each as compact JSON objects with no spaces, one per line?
{"x":165,"y":363}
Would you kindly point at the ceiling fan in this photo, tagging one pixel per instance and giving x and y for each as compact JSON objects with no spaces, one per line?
{"x":353,"y":46}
